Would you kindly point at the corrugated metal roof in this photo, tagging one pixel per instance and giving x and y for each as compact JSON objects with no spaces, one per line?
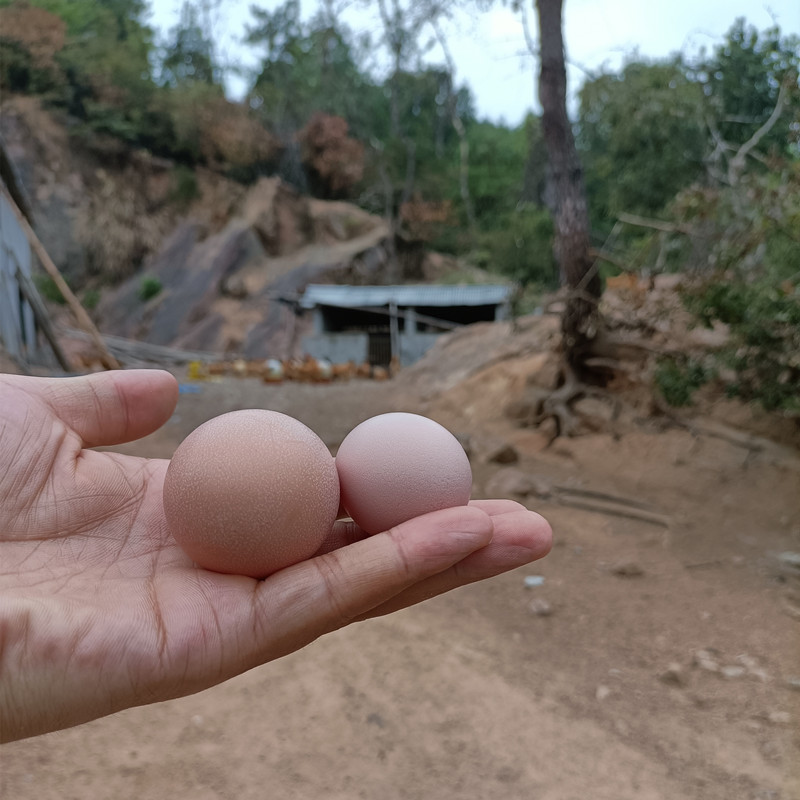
{"x":409,"y":296}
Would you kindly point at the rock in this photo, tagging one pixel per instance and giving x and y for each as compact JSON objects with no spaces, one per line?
{"x":548,"y":427}
{"x":788,"y":563}
{"x":532,"y":581}
{"x":596,"y":412}
{"x":793,"y":683}
{"x":495,"y":451}
{"x":278,"y":214}
{"x":540,"y":607}
{"x":503,"y":453}
{"x":673,"y":675}
{"x":732,"y":672}
{"x":705,"y":659}
{"x":545,"y":372}
{"x":526,"y":410}
{"x":779,"y":717}
{"x":514,"y":483}
{"x":752,"y":667}
{"x":602,"y":692}
{"x":627,"y":568}
{"x":669,"y":282}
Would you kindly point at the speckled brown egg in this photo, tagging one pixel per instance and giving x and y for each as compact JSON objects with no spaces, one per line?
{"x":251,"y":492}
{"x":397,"y":466}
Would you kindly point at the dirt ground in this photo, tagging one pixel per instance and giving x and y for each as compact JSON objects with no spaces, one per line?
{"x":654,"y":660}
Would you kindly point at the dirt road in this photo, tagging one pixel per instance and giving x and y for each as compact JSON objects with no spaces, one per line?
{"x":652,"y":662}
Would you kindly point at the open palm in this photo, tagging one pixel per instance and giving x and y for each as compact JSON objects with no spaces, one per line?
{"x":100,"y":610}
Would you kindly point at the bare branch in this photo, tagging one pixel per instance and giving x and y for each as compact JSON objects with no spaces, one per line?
{"x":657,"y":224}
{"x":458,"y":125}
{"x":530,"y":43}
{"x":736,"y":164}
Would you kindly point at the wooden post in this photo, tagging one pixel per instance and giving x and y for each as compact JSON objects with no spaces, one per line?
{"x":29,"y":292}
{"x":78,"y":311}
{"x":394,"y":333}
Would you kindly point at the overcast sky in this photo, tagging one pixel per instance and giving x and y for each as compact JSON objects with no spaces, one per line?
{"x":489,"y":49}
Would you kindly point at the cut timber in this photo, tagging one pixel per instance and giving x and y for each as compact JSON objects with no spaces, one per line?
{"x":135,"y":353}
{"x":78,"y":311}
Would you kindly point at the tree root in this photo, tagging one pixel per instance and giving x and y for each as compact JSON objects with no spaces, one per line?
{"x":558,"y":405}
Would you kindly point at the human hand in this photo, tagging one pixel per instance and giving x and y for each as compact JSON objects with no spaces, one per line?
{"x":100,"y":610}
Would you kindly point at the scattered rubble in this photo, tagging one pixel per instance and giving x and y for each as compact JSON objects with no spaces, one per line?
{"x":627,"y":568}
{"x":540,"y":607}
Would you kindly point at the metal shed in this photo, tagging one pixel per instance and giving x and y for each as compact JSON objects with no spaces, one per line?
{"x":379,"y":324}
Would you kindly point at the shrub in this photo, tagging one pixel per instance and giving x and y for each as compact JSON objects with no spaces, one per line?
{"x":677,"y":379}
{"x":764,"y":319}
{"x":149,"y":287}
{"x":521,"y":248}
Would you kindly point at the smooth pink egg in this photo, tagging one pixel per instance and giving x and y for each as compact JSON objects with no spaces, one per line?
{"x":251,"y":492}
{"x":397,"y":466}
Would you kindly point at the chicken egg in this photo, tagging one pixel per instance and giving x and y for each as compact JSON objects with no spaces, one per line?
{"x":251,"y":492}
{"x":397,"y":466}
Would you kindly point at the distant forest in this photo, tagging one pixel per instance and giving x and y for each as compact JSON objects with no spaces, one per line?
{"x":690,"y":163}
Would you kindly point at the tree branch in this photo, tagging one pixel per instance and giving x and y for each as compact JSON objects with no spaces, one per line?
{"x":656,"y":224}
{"x":736,"y":164}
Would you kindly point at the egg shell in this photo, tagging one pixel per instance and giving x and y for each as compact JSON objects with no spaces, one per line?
{"x":397,"y":466}
{"x":251,"y":492}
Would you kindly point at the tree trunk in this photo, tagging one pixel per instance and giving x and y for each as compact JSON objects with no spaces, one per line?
{"x":566,"y":194}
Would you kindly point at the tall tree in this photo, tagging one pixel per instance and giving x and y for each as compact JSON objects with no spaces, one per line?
{"x":189,"y":51}
{"x":566,"y":194}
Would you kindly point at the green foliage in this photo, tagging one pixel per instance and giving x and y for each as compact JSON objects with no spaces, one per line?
{"x":765,"y":324}
{"x":741,"y":79}
{"x":91,"y":297}
{"x":497,"y":170}
{"x":678,"y":379}
{"x":185,"y":188}
{"x":20,"y":73}
{"x":307,"y":67}
{"x":188,"y":53}
{"x":522,"y":248}
{"x":48,"y":289}
{"x":740,"y":246}
{"x":149,"y":287}
{"x":642,"y":138}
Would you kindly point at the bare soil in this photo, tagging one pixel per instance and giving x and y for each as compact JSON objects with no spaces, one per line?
{"x":656,"y":661}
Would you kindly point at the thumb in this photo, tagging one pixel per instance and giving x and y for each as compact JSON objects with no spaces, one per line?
{"x":110,"y":407}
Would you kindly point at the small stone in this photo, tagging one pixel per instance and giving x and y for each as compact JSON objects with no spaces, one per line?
{"x":732,"y":672}
{"x":548,"y":427}
{"x":627,"y":568}
{"x":602,"y":692}
{"x":706,"y":660}
{"x":779,"y":717}
{"x":512,"y":482}
{"x":748,"y":662}
{"x":673,"y":675}
{"x":540,"y":607}
{"x":532,"y":581}
{"x":793,"y":683}
{"x":499,"y":452}
{"x":789,"y":558}
{"x":752,"y":667}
